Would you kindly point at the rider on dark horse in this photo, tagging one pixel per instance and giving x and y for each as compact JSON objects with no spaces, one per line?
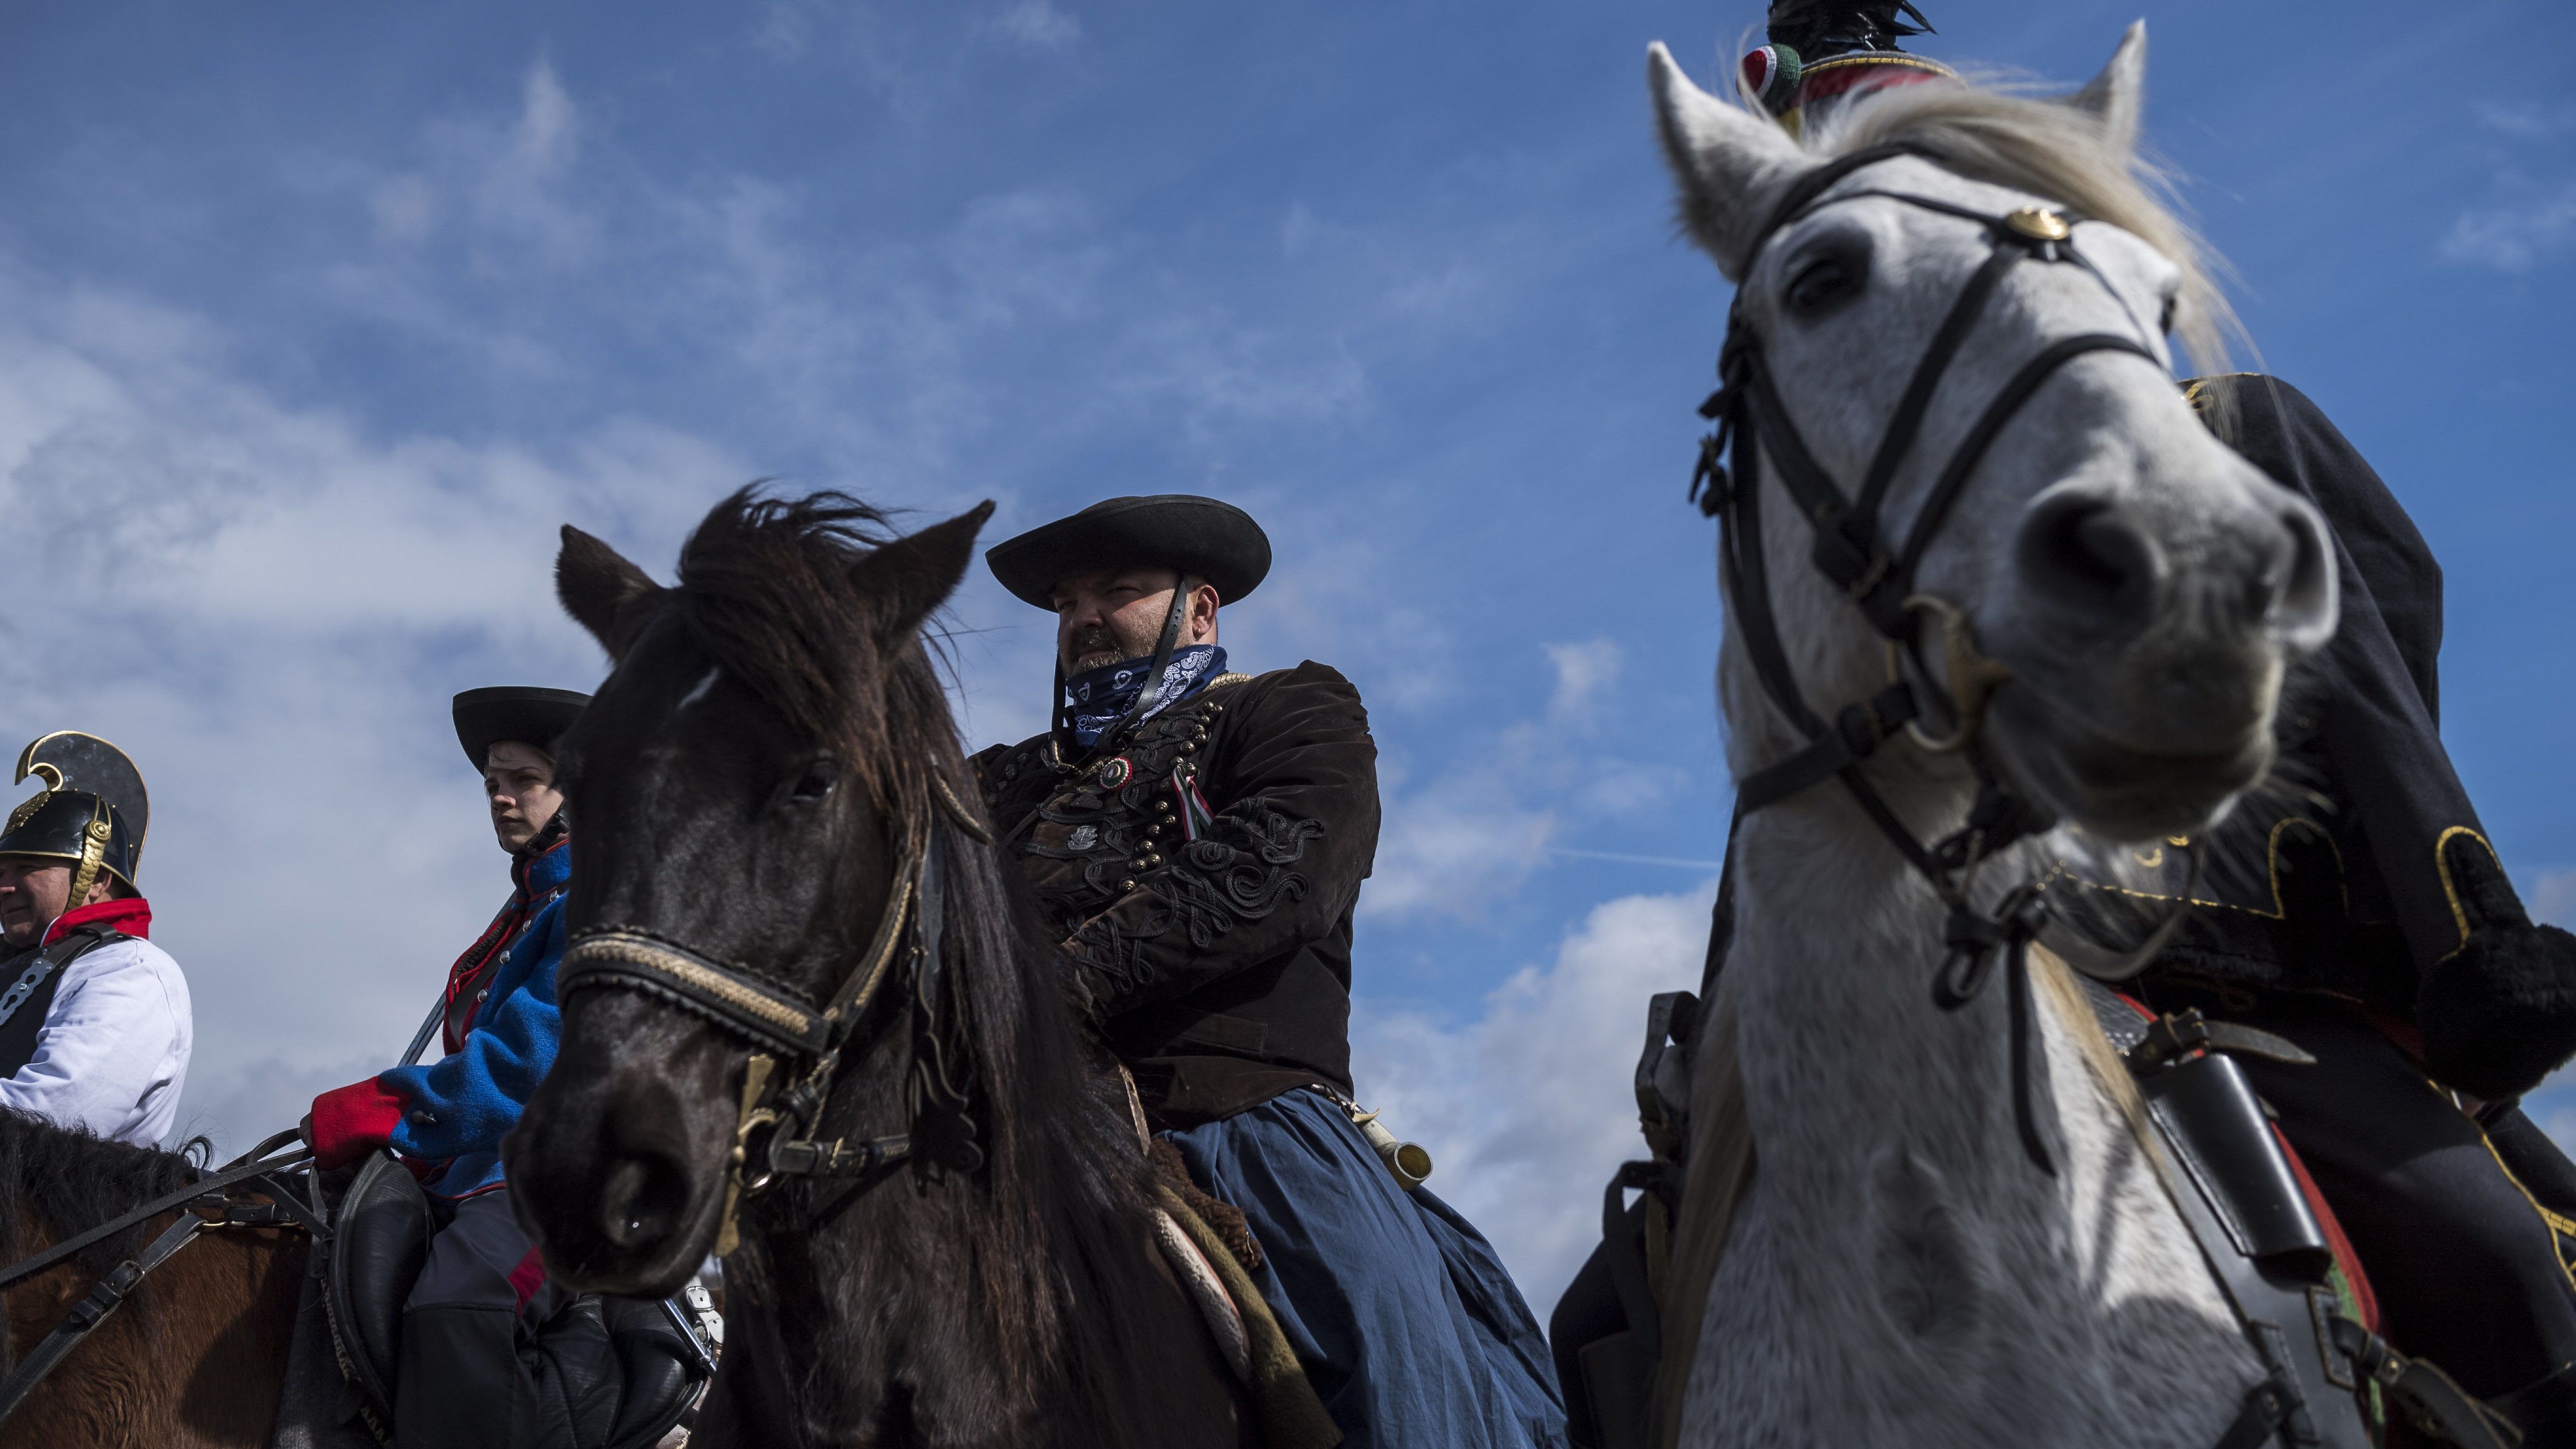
{"x":94,"y":1020}
{"x":460,"y":1380}
{"x":1197,"y":839}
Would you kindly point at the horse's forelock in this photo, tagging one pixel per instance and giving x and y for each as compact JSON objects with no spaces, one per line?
{"x":2057,"y":151}
{"x":769,"y":590}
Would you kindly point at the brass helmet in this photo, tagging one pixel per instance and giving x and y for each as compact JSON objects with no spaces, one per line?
{"x":92,"y":812}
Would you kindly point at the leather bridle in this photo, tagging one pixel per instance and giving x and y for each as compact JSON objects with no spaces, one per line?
{"x":1853,"y":550}
{"x":777,"y":1131}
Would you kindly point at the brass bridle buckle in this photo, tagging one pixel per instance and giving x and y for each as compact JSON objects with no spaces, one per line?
{"x":1972,"y":679}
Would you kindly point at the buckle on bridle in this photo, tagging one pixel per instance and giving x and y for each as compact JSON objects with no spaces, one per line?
{"x":1972,"y":675}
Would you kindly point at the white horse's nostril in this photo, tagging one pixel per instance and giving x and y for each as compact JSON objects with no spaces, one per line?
{"x":2303,"y":612}
{"x":2090,"y":564}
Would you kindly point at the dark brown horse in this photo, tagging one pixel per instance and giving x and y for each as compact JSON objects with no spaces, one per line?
{"x":194,"y":1358}
{"x":747,"y":779}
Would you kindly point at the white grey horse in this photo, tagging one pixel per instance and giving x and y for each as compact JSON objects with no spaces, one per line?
{"x":1897,"y":1271}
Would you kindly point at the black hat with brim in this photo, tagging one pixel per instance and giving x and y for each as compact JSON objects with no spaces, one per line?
{"x":522,"y":712}
{"x":1216,"y":541}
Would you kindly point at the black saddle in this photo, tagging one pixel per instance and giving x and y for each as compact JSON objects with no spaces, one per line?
{"x":618,"y":1372}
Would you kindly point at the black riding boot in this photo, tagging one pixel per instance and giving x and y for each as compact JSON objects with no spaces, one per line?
{"x":459,"y":1385}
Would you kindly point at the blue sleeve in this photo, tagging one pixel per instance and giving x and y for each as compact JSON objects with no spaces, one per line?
{"x":469,"y":1100}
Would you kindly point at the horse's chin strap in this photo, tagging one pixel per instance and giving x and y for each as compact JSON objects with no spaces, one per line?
{"x":1851,"y":550}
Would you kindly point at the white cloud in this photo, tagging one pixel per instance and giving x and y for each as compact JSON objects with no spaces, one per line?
{"x":1528,"y":1109}
{"x":2533,"y":216}
{"x":542,"y":142}
{"x":1036,"y":24}
{"x":1585,"y":673}
{"x":268,"y":610}
{"x":1474,"y":832}
{"x":2512,"y":237}
{"x":2526,"y":120}
{"x":405,"y":207}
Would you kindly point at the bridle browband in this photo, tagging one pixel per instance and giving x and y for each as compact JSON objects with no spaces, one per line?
{"x":782,"y":1025}
{"x":1852,"y":549}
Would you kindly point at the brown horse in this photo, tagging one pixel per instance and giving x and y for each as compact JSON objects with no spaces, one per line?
{"x":194,"y":1358}
{"x":747,"y":780}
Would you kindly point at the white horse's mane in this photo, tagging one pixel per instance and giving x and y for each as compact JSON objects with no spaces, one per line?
{"x":2086,"y":162}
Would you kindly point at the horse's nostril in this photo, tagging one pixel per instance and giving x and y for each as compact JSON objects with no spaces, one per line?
{"x":642,"y":1200}
{"x":2085,"y":558}
{"x":2303,"y":609}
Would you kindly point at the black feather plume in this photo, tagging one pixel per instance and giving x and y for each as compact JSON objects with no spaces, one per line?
{"x":1821,"y":29}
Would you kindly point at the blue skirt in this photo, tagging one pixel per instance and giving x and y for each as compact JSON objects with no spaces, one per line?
{"x":1406,"y":1322}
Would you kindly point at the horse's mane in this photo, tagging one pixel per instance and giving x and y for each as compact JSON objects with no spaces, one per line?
{"x":58,"y":1181}
{"x":2056,"y":150}
{"x":767,"y":586}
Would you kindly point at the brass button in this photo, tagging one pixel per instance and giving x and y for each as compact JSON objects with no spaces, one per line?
{"x":1126,"y":885}
{"x":2039,"y":224}
{"x":1154,"y":829}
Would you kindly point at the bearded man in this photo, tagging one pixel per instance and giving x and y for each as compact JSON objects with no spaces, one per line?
{"x":1196,"y":839}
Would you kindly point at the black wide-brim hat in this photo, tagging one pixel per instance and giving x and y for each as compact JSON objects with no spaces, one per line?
{"x":1214,"y":540}
{"x":522,"y":712}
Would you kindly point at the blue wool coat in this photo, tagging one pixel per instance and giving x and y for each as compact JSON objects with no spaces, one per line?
{"x":461,"y":1106}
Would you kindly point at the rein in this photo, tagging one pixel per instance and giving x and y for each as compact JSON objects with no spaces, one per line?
{"x":1853,"y":549}
{"x":784,"y":1028}
{"x":204,"y":1203}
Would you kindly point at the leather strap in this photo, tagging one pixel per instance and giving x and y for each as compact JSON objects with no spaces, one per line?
{"x":26,"y":1268}
{"x":104,"y":1298}
{"x":766,"y":1014}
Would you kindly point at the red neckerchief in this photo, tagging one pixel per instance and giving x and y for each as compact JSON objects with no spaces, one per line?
{"x":131,"y":916}
{"x":504,"y":930}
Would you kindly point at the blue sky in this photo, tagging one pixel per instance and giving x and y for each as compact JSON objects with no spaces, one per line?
{"x":316,"y":320}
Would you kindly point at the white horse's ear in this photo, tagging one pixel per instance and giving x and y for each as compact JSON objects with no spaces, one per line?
{"x":1729,"y":163}
{"x":2119,"y":93}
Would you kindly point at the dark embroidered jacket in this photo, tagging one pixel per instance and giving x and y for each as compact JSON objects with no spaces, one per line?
{"x":2363,"y":872}
{"x":1202,"y":880}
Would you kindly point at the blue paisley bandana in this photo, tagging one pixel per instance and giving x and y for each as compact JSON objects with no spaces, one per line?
{"x":1101,"y":697}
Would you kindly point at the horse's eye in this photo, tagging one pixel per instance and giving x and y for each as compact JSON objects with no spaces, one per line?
{"x":817,"y":781}
{"x":1822,"y":283}
{"x":2164,"y":324}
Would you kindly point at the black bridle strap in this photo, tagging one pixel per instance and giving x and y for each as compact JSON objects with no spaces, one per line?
{"x":1908,"y":421}
{"x":1804,"y":193}
{"x":104,"y":1298}
{"x":2007,"y":401}
{"x":239,"y":1172}
{"x":762,"y":1011}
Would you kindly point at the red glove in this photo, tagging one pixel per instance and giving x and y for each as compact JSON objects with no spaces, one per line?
{"x":350,"y":1122}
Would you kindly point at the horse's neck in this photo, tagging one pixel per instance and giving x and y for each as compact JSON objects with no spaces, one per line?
{"x":871,"y":1322}
{"x":1899,"y":1259}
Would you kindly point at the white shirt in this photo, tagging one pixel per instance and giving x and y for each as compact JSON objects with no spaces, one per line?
{"x":113,"y":1052}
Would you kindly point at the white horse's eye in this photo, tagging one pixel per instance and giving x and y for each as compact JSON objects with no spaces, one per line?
{"x":1822,"y":283}
{"x":2165,"y":323}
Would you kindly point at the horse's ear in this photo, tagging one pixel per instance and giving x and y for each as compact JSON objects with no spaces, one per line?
{"x":916,"y":573}
{"x":1730,"y":163}
{"x":598,"y":588}
{"x":2118,"y":95}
